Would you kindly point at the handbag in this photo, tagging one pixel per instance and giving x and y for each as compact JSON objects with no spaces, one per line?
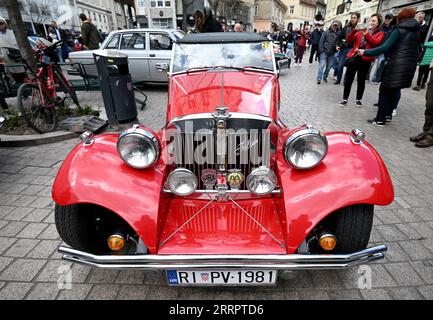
{"x":350,"y":61}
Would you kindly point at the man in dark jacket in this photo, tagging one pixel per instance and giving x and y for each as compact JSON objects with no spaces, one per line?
{"x":401,"y":52}
{"x":342,"y":47}
{"x":315,"y":40}
{"x":89,"y":33}
{"x":205,"y":22}
{"x":327,"y":47}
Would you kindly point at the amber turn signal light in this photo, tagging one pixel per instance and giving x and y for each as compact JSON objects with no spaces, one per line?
{"x":327,"y":242}
{"x":116,"y":242}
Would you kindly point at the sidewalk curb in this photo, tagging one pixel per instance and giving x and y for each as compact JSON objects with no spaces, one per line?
{"x":35,"y":139}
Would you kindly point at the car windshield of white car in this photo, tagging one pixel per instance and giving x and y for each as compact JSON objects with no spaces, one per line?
{"x":256,"y":55}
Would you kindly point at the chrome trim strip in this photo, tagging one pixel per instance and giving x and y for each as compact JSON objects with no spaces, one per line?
{"x":274,"y":262}
{"x":275,"y":191}
{"x":233,"y":115}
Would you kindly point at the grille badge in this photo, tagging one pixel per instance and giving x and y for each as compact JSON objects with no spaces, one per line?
{"x":235,"y":178}
{"x":209,"y":178}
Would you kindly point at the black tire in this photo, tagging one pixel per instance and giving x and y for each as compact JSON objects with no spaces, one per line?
{"x":352,"y":227}
{"x":76,"y":226}
{"x":67,"y":88}
{"x":41,"y":118}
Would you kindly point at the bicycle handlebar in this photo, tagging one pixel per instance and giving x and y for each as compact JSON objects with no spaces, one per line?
{"x":49,"y":47}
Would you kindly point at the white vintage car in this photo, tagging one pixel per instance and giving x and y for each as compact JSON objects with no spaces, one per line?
{"x":149,"y":51}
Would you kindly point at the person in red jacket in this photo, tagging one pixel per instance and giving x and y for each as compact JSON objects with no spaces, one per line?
{"x":362,"y":37}
{"x":301,"y":45}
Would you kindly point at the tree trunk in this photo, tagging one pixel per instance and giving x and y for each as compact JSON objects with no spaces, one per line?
{"x":19,"y":29}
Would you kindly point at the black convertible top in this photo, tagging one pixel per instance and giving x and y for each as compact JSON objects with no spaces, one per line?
{"x":222,"y":37}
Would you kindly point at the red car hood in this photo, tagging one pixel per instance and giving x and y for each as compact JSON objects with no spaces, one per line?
{"x":244,"y":91}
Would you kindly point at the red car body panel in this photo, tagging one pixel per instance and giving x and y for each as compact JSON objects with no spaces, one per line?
{"x":350,"y":174}
{"x":200,"y":92}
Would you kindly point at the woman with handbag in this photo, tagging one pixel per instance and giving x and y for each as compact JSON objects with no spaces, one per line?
{"x":401,"y":51}
{"x":362,"y":37}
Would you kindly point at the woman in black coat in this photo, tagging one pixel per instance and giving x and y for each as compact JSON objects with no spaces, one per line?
{"x":401,"y":53}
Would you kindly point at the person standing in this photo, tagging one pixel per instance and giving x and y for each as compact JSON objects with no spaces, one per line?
{"x":401,"y":52}
{"x":8,"y":42}
{"x":238,"y":27}
{"x":387,"y":28}
{"x":315,"y":40}
{"x":423,"y":29}
{"x":370,"y":37}
{"x":425,"y":139}
{"x":301,"y":44}
{"x":327,"y":47}
{"x":89,"y":34}
{"x":342,"y":46}
{"x":424,"y":65}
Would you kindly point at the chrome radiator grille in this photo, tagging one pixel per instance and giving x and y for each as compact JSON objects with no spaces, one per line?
{"x":247,"y":146}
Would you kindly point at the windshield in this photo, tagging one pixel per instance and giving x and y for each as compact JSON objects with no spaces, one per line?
{"x":239,"y":55}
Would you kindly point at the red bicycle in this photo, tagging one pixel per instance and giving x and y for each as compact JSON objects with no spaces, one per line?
{"x":37,"y":97}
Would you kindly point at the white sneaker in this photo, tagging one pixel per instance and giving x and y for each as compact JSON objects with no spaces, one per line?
{"x":394,"y":112}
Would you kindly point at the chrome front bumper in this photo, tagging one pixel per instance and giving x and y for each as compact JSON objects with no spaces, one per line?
{"x":271,"y":262}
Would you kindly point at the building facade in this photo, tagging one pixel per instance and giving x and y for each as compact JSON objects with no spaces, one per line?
{"x":156,"y":14}
{"x":337,"y":10}
{"x":303,"y":12}
{"x":269,"y":15}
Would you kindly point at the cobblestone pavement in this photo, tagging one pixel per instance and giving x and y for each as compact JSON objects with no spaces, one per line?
{"x":29,"y":263}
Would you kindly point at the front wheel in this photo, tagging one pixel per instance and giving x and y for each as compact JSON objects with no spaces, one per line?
{"x":352,"y":227}
{"x":36,"y":108}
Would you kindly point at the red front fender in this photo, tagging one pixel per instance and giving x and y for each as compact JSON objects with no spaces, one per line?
{"x":96,"y":174}
{"x":350,"y":174}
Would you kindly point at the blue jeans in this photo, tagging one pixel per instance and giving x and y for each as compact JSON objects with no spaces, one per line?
{"x":326,"y":62}
{"x":340,"y":68}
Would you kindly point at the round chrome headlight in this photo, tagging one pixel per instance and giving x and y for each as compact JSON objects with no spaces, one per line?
{"x":138,"y":148}
{"x":182,"y":182}
{"x":261,"y":181}
{"x":305,"y":148}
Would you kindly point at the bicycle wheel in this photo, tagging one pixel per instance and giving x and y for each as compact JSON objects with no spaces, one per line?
{"x":38,"y":115}
{"x":66,"y":87}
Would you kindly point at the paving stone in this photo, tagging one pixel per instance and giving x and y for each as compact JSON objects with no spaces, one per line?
{"x":426,"y":291}
{"x":53,"y":271}
{"x":327,"y":280}
{"x":375,"y":294}
{"x":42,"y":202}
{"x":12,"y":228}
{"x":24,"y":201}
{"x":406,"y":215}
{"x":32,"y":230}
{"x":102,"y":275}
{"x":43,"y":291}
{"x":37,"y":215}
{"x":409,"y":293}
{"x":345,"y":295}
{"x":425,"y":269}
{"x":44,"y":249}
{"x":22,"y":270}
{"x":5,"y":243}
{"x":130,"y":277}
{"x":15,"y":290}
{"x":21,"y":248}
{"x":408,"y":231}
{"x":49,"y":233}
{"x":4,"y":262}
{"x":391,"y":233}
{"x":416,"y":250}
{"x":32,"y":190}
{"x":18,"y":213}
{"x":5,"y":210}
{"x":3,"y":223}
{"x":404,"y":274}
{"x":103,"y":292}
{"x":395,"y":253}
{"x":16,"y":188}
{"x":77,"y":292}
{"x":423,"y":229}
{"x":133,"y":292}
{"x":313,"y":295}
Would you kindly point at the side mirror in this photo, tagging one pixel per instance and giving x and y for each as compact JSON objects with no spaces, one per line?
{"x":162,"y":67}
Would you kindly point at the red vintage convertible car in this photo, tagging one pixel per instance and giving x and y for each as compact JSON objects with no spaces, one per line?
{"x":225,"y":193}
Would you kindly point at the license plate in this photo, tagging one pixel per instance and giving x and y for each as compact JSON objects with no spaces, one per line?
{"x":221,"y":277}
